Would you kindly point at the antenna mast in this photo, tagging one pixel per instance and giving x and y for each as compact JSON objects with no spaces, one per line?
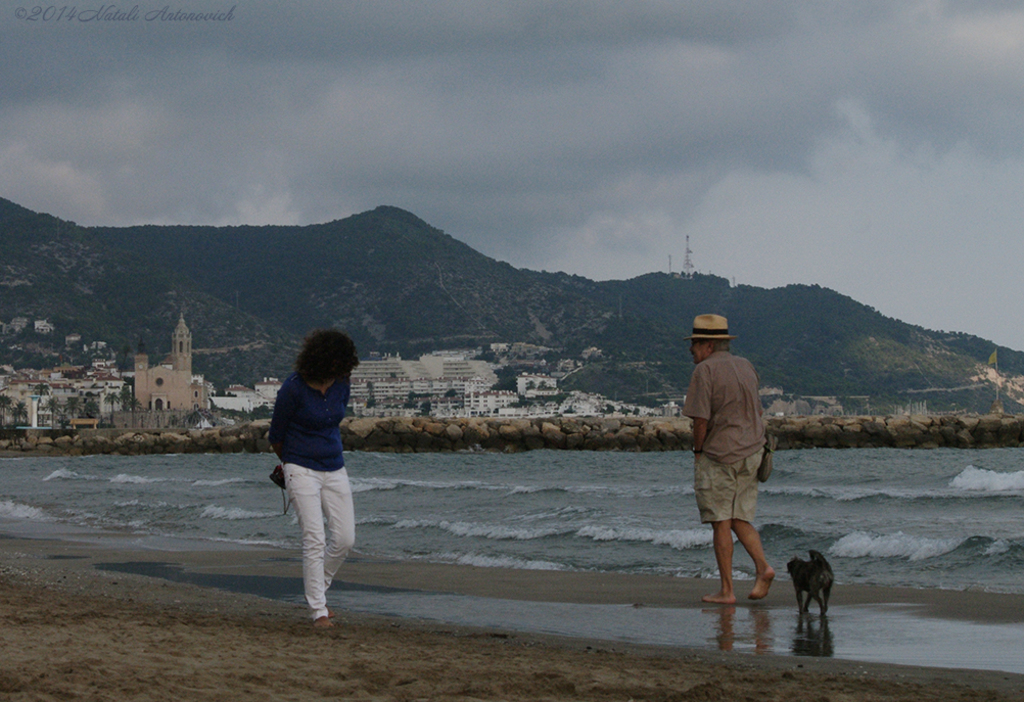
{"x":687,"y":263}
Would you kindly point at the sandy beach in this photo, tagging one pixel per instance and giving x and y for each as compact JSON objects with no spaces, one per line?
{"x":75,"y":627}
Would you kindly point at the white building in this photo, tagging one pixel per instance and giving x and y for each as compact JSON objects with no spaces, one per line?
{"x":488,"y":402}
{"x":62,"y":384}
{"x":535,"y":385}
{"x":240,"y":398}
{"x":236,"y":397}
{"x":393,"y":377}
{"x":267,"y":390}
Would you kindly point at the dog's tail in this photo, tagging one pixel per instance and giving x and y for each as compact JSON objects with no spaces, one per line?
{"x":818,"y":558}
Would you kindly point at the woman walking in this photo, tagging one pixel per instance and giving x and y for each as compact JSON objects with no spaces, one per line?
{"x":304,"y":434}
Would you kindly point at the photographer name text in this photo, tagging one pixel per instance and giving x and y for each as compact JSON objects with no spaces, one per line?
{"x":114,"y":13}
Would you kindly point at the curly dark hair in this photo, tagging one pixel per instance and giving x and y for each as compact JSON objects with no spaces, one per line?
{"x":327,"y":354}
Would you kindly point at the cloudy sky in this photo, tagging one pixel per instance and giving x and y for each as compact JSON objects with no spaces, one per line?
{"x":871,"y":147}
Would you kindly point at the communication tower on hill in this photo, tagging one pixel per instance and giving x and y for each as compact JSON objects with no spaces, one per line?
{"x":687,"y":262}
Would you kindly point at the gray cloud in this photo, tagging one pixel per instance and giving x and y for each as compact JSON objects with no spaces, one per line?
{"x":871,"y":147}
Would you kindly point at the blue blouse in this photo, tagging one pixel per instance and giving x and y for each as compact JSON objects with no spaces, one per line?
{"x":306,"y":423}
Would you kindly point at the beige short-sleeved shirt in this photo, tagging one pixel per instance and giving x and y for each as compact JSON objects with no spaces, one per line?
{"x":724,"y":391}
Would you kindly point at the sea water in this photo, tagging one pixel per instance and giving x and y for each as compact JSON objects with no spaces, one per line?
{"x":922,"y":518}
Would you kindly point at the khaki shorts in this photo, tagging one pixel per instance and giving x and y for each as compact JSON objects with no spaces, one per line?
{"x":726,"y":491}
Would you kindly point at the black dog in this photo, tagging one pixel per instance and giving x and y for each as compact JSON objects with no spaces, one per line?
{"x":813,"y":577}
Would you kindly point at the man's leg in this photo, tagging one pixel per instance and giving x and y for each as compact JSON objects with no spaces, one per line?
{"x":723,"y":554}
{"x":751,"y":540}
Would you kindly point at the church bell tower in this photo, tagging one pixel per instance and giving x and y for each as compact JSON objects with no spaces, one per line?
{"x":181,"y":347}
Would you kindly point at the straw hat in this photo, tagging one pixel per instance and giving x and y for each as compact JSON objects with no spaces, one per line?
{"x":710,"y":326}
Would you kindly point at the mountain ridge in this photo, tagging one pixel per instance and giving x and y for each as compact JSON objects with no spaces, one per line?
{"x":399,"y":285}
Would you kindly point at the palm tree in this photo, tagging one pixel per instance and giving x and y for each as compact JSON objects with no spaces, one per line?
{"x":20,"y":413}
{"x":6,"y":404}
{"x":112,"y":400}
{"x":129,"y":401}
{"x":73,"y":406}
{"x":53,"y":406}
{"x":134,"y":405}
{"x":92,"y":408}
{"x":124,"y":397}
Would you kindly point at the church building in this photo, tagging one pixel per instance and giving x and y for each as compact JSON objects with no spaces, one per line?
{"x":171,"y":385}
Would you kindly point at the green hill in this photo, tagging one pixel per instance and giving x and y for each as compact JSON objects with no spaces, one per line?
{"x":399,"y":285}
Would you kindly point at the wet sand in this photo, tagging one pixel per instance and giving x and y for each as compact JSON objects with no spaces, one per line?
{"x":79,"y":618}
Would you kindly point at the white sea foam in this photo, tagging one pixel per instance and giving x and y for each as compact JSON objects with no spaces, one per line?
{"x":713,"y":574}
{"x":148,"y":505}
{"x":486,"y":531}
{"x":272,"y":543}
{"x":525,"y":489}
{"x":234,"y":513}
{"x":555,"y":513}
{"x":370,"y":484}
{"x":861,"y":544}
{"x":375,"y":521}
{"x":981,"y":480}
{"x":499,"y":532}
{"x":855,"y":494}
{"x":217,"y":483}
{"x":679,"y":539}
{"x":65,"y":474}
{"x":135,"y":479}
{"x":996,"y":547}
{"x":472,"y":559}
{"x":13,"y":510}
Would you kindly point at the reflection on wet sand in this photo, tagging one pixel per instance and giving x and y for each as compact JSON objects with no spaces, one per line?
{"x":758,"y":636}
{"x":812,"y":639}
{"x":752,"y":631}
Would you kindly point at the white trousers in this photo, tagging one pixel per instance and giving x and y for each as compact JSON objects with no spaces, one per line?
{"x":319,"y":495}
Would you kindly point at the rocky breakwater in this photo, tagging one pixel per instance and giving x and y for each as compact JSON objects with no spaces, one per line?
{"x":251,"y":438}
{"x":901,"y":431}
{"x":665,"y":434}
{"x":404,"y":435}
{"x":425,"y":434}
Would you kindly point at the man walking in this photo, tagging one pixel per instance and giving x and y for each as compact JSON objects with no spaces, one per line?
{"x":728,"y":441}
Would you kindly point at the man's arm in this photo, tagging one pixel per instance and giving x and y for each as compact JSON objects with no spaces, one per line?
{"x":700,"y":433}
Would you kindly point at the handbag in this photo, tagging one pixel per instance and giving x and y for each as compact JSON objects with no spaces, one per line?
{"x":764,"y":470}
{"x":277,"y":476}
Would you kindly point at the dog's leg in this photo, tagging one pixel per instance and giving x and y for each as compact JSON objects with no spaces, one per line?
{"x":826,"y":591}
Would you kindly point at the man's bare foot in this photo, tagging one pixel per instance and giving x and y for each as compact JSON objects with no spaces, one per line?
{"x":762,"y":584}
{"x":719,"y":598}
{"x":330,"y":613}
{"x":323,"y":622}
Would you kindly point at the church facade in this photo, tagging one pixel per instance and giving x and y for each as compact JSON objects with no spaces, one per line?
{"x":171,"y":384}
